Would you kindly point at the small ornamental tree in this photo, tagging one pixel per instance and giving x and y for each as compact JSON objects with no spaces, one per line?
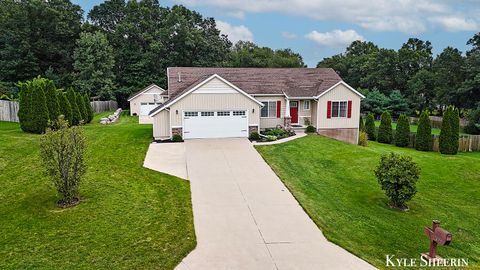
{"x":473,"y":125}
{"x":39,"y":111}
{"x":88,"y":108}
{"x":62,"y":152}
{"x":448,"y":141}
{"x":397,"y":176}
{"x":402,"y":133}
{"x":72,"y":99}
{"x":370,"y":127}
{"x":52,"y":100}
{"x":361,"y":125}
{"x":81,"y":107}
{"x":423,"y":140}
{"x":65,"y":108}
{"x":385,"y":128}
{"x":25,"y":107}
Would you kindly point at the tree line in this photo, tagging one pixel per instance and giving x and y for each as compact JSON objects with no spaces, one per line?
{"x":118,"y":48}
{"x":410,"y":79}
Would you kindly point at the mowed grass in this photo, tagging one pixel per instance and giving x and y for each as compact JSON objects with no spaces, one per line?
{"x":129,"y":217}
{"x":335,"y":184}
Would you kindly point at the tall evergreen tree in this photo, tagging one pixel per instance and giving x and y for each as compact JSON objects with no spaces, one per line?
{"x":65,"y":107}
{"x":39,"y":110}
{"x":72,"y":99}
{"x":402,"y":132}
{"x":81,"y":107}
{"x":370,"y":127}
{"x":423,"y":140}
{"x":385,"y":128}
{"x":25,"y":106}
{"x":448,"y":143}
{"x":361,"y":126}
{"x":52,"y":100}
{"x":88,"y":106}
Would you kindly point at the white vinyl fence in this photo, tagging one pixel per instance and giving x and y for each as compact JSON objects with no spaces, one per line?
{"x":8,"y":111}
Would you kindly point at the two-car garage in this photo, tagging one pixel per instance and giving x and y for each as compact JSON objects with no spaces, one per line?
{"x":215,"y":124}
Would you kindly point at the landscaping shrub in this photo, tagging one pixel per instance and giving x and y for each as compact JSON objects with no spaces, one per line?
{"x":370,"y":127}
{"x":310,"y":129}
{"x":62,"y":152}
{"x":81,"y":107}
{"x":177,"y":138}
{"x":402,"y":133}
{"x":363,"y":138}
{"x":397,"y":176}
{"x":254,"y":136}
{"x":271,"y":138}
{"x":361,"y":126}
{"x":52,"y":100}
{"x":39,"y":111}
{"x":88,"y":107}
{"x":473,"y":126}
{"x":25,"y":107}
{"x":72,"y":99}
{"x":448,"y":141}
{"x":277,"y":132}
{"x":65,"y":107}
{"x":423,"y":140}
{"x":385,"y":128}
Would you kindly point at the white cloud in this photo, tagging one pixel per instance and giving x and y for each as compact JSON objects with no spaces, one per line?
{"x":236,"y":14}
{"x":455,"y":24}
{"x":335,"y":38}
{"x":408,"y":16}
{"x":289,"y":35}
{"x":235,"y":33}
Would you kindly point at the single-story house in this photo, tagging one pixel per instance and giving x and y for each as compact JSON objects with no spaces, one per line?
{"x":147,"y":99}
{"x":233,"y":102}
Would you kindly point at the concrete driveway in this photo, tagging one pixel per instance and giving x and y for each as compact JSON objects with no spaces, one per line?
{"x":245,"y":218}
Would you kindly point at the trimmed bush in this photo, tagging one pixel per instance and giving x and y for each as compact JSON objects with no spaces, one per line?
{"x":52,"y":100}
{"x":402,"y":133}
{"x":370,"y":127}
{"x":65,"y":107}
{"x":385,"y":128}
{"x":72,"y":99}
{"x":88,"y":108}
{"x":271,"y":138}
{"x":448,"y":141}
{"x":177,"y":138}
{"x":361,"y":126}
{"x":277,"y":132}
{"x":25,"y":107}
{"x":34,"y":114}
{"x":397,"y":176}
{"x":81,"y":107}
{"x":310,"y":129}
{"x":363,"y":138}
{"x":254,"y":136}
{"x":423,"y":140}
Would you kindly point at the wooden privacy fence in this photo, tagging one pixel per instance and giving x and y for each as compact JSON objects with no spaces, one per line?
{"x":8,"y":111}
{"x":466,"y":143}
{"x":104,"y":106}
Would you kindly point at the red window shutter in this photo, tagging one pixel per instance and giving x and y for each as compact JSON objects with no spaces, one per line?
{"x":279,"y":104}
{"x":349,"y":113}
{"x":329,"y":109}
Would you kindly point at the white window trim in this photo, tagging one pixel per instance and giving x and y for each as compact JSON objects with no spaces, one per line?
{"x":346,"y":109}
{"x":267,"y":106}
{"x":306,"y":102}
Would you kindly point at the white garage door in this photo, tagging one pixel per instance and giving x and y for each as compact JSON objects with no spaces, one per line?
{"x":215,"y":124}
{"x":145,"y":108}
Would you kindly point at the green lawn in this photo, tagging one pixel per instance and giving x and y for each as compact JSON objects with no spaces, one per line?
{"x":129,"y":218}
{"x":335,"y":184}
{"x":413,"y":128}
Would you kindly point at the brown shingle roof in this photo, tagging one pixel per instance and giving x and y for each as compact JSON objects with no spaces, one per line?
{"x":295,"y":82}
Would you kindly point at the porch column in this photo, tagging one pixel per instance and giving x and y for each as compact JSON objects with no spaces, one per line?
{"x":287,"y":107}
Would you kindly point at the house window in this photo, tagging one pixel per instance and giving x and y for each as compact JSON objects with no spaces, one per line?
{"x":306,"y":105}
{"x":239,"y":113}
{"x":223,"y":113}
{"x":207,"y":113}
{"x":191,"y":114}
{"x":339,"y":109}
{"x":269,"y":110}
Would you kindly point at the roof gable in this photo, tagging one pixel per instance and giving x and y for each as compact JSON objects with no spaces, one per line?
{"x":152,"y":88}
{"x":344,"y":84}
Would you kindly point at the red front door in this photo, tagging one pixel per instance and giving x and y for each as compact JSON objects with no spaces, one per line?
{"x":294,"y":111}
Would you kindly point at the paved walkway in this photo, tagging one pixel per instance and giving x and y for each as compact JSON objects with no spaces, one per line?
{"x":245,"y":218}
{"x":167,"y":158}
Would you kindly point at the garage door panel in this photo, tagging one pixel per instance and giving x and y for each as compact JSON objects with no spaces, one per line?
{"x":216,"y":126}
{"x":145,"y":108}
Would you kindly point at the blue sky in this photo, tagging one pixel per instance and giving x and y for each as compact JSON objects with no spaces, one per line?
{"x":321,"y":28}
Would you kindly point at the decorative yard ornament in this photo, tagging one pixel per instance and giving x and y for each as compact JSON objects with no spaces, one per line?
{"x":438,"y":236}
